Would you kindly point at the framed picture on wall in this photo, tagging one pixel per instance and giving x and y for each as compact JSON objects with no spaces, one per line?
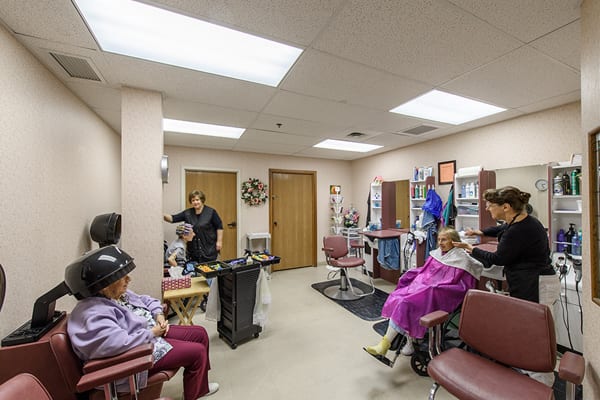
{"x":446,"y":170}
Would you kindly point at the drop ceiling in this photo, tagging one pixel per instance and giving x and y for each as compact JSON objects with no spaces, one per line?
{"x":361,"y":58}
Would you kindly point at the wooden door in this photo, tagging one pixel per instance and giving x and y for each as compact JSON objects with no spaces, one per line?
{"x":220,"y":189}
{"x":293,"y":218}
{"x":402,"y":203}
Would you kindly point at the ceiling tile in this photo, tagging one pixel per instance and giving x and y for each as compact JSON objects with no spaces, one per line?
{"x":525,"y":20}
{"x":522,"y":77}
{"x":325,"y":76}
{"x":562,"y":44}
{"x":423,"y":40}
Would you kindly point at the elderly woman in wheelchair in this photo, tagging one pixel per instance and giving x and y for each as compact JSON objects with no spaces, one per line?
{"x":440,"y":284}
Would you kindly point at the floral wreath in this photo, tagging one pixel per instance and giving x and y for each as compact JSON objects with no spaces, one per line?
{"x":254,"y":192}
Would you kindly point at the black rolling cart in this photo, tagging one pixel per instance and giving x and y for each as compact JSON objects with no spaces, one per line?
{"x":237,"y":293}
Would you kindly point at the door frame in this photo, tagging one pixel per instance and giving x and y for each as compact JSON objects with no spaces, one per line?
{"x":184,"y":195}
{"x":313,"y":174}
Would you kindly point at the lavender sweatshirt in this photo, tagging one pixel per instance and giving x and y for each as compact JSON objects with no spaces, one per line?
{"x":99,"y":327}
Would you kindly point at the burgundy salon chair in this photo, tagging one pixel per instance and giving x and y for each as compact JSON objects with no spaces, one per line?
{"x":25,"y":386}
{"x":336,"y":255}
{"x":505,"y":333}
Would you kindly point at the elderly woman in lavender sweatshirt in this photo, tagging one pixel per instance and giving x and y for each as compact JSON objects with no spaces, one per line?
{"x":116,"y":319}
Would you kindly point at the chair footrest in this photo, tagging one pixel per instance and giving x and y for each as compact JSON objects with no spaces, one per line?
{"x":486,"y":379}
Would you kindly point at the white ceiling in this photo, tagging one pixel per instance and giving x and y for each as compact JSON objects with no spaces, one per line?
{"x":361,"y":58}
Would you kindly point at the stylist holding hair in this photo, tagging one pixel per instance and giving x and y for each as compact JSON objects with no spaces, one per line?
{"x":523,"y":247}
{"x":208,"y":228}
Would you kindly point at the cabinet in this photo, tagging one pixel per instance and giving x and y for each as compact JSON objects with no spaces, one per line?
{"x":237,"y":293}
{"x":469,"y":185}
{"x":382,"y":205}
{"x":564,"y":209}
{"x":418,"y":194}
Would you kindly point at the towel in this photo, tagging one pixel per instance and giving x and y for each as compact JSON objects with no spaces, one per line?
{"x":389,"y":253}
{"x":213,"y":303}
{"x":262,"y":301}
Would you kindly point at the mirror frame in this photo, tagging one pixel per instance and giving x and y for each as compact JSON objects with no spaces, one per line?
{"x":594,"y":200}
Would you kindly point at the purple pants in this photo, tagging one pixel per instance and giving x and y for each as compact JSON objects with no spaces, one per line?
{"x":190,"y":351}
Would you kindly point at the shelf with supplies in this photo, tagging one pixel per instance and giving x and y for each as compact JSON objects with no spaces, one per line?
{"x":382,"y":205}
{"x":421,"y":181}
{"x":469,"y":185}
{"x":565,"y":211}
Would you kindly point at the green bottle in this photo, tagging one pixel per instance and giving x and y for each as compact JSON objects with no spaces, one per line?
{"x":575,"y":182}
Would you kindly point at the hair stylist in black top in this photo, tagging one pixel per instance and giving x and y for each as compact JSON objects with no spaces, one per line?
{"x":208,"y":228}
{"x":523,"y":247}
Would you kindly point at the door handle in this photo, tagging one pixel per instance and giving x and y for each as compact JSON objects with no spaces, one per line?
{"x":232,"y":224}
{"x":275,"y":223}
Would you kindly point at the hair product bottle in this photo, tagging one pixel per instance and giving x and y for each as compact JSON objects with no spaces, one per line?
{"x":569,"y":238}
{"x":560,"y":238}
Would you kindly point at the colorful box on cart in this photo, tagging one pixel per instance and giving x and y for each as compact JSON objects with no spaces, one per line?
{"x":212,"y":268}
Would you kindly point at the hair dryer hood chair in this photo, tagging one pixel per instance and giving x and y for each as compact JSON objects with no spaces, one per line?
{"x":106,"y":229}
{"x":94,"y":271}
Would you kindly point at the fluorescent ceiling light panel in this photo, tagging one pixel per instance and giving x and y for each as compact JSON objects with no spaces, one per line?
{"x":139,"y":30}
{"x":445,"y":107}
{"x":346,"y":146}
{"x":197,"y":128}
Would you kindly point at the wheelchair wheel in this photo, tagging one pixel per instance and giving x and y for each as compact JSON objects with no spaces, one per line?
{"x":450,"y":332}
{"x":419,"y":361}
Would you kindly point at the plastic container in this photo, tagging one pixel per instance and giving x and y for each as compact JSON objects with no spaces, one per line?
{"x":212,"y":268}
{"x":560,"y":238}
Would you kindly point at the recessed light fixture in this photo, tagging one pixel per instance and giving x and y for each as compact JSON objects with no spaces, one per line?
{"x":346,"y":146}
{"x":140,"y":30}
{"x":445,"y":107}
{"x":197,"y":128}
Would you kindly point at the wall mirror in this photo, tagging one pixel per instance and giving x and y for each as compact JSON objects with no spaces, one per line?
{"x":524,"y":178}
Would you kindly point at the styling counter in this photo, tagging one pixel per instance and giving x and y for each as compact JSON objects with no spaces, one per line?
{"x":391,"y":275}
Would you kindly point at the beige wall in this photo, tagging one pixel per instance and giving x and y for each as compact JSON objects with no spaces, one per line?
{"x":253,"y":165}
{"x":590,"y":119}
{"x":60,"y":166}
{"x":550,"y":135}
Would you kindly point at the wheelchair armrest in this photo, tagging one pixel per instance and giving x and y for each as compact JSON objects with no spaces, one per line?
{"x":571,"y":368}
{"x":100,"y":363}
{"x":113,"y":373}
{"x":433,"y":318}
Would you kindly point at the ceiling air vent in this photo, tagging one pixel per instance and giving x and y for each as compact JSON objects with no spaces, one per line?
{"x":419,"y":130}
{"x":76,"y":67}
{"x":356,"y":134}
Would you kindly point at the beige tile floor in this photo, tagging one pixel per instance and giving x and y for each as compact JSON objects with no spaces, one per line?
{"x":311,"y":348}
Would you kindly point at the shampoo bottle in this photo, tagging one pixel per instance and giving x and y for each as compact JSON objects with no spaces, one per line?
{"x":569,"y":238}
{"x":576,"y":245}
{"x":560,"y":238}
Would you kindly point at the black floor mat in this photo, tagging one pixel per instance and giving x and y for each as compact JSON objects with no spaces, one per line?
{"x":381,"y":327}
{"x":367,"y":307}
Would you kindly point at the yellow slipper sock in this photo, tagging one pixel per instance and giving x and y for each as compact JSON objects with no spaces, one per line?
{"x":381,"y":348}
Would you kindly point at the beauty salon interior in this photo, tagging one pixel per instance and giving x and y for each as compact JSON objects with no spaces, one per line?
{"x":363,"y":108}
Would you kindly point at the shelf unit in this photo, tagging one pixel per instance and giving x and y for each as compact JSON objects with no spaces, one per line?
{"x":337,"y":216}
{"x":416,"y":203}
{"x":563,"y":209}
{"x":383,"y":205}
{"x":471,"y":212}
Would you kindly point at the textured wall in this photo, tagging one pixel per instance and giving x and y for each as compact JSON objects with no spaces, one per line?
{"x":550,"y":135}
{"x":59,"y":167}
{"x":142,"y":149}
{"x":590,"y":119}
{"x":252,"y":165}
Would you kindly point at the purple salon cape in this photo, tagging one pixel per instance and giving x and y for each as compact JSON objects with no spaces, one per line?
{"x":440,"y":284}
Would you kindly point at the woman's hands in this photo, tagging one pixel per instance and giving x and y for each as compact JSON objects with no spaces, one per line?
{"x":473,"y":232}
{"x":463,"y":245}
{"x":162,"y":326}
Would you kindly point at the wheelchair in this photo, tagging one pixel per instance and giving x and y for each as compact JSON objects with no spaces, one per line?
{"x":421,"y":356}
